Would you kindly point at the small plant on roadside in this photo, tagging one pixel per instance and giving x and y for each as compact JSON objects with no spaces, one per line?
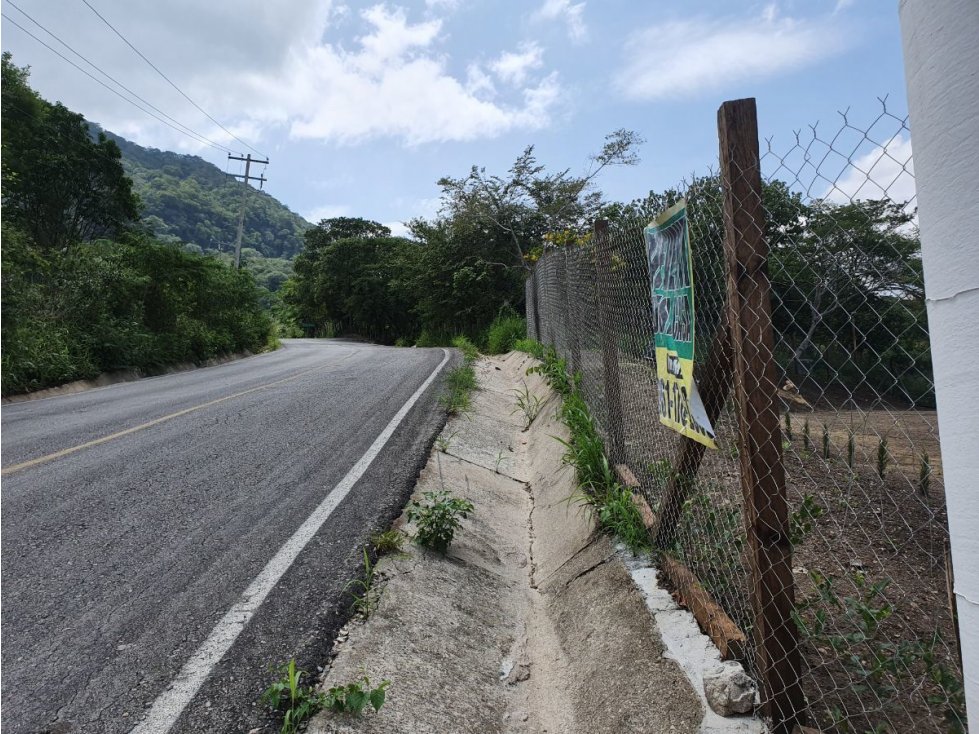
{"x":387,"y":542}
{"x":298,"y":702}
{"x":806,"y":438}
{"x":364,"y":593}
{"x":924,"y":475}
{"x":444,"y":440}
{"x":469,"y":351}
{"x":354,"y":697}
{"x":529,"y":346}
{"x":618,"y":515}
{"x":460,"y":382}
{"x":438,"y":515}
{"x":555,"y":370}
{"x":825,"y":442}
{"x":788,"y":424}
{"x":529,"y":404}
{"x":801,"y":520}
{"x":499,"y":461}
{"x":883,"y":457}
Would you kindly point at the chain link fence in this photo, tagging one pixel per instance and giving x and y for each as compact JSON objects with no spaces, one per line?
{"x":823,"y":542}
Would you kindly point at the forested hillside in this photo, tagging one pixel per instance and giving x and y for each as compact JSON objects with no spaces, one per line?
{"x":84,"y":288}
{"x":187,"y":199}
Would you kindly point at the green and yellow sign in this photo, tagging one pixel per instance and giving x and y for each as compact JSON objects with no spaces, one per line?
{"x":671,"y":281}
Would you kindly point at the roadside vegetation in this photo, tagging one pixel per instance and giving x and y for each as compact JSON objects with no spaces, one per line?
{"x":298,"y":702}
{"x":598,"y":487}
{"x":85,"y":289}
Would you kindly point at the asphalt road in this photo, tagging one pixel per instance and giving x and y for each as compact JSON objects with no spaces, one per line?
{"x":119,"y":558}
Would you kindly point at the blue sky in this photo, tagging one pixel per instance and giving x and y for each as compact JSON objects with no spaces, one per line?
{"x":361,"y":107}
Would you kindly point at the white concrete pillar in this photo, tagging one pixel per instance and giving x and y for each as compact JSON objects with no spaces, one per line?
{"x":941,"y":61}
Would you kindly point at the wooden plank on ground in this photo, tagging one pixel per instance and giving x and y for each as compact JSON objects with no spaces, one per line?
{"x":713,"y":620}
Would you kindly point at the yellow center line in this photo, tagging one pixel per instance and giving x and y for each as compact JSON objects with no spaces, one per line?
{"x":156,"y":421}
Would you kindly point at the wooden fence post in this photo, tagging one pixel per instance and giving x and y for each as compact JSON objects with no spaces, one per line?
{"x":760,"y":434}
{"x":610,"y":352}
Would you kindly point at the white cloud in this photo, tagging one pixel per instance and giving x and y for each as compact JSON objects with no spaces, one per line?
{"x":396,"y":84}
{"x":571,"y":13}
{"x":327,"y":211}
{"x":688,"y":56}
{"x":308,"y":70}
{"x":512,"y":67}
{"x":887,"y":171}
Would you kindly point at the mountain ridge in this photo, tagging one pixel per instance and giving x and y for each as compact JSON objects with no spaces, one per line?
{"x":190,"y":200}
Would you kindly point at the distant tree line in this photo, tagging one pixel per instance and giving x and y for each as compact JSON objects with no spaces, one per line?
{"x":84,"y":288}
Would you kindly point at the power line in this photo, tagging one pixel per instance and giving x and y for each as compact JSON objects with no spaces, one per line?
{"x":99,"y":81}
{"x":157,"y":70}
{"x":187,"y":130}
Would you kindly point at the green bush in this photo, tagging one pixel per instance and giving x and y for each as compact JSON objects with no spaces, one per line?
{"x":438,"y":516}
{"x":507,"y":328}
{"x":107,"y":306}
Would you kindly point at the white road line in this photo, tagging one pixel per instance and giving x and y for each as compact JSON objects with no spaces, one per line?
{"x":171,"y":703}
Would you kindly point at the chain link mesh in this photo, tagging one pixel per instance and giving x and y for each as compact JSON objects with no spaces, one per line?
{"x":863,"y":499}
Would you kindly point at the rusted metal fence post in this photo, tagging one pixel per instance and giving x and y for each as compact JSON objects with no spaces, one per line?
{"x":530,"y":304}
{"x":610,"y":352}
{"x":762,"y":471}
{"x":570,"y":323}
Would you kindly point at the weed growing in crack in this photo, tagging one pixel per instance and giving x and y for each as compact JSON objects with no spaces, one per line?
{"x":388,"y":542}
{"x":296,"y":701}
{"x":529,"y":404}
{"x":438,"y":515}
{"x":444,"y":440}
{"x":364,"y":593}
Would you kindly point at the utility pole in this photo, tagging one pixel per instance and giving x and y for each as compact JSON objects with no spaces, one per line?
{"x":244,"y":193}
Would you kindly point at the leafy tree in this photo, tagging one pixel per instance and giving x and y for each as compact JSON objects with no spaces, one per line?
{"x":529,"y":202}
{"x":59,"y":185}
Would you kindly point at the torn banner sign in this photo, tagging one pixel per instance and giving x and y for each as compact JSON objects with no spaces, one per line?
{"x":671,"y":281}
